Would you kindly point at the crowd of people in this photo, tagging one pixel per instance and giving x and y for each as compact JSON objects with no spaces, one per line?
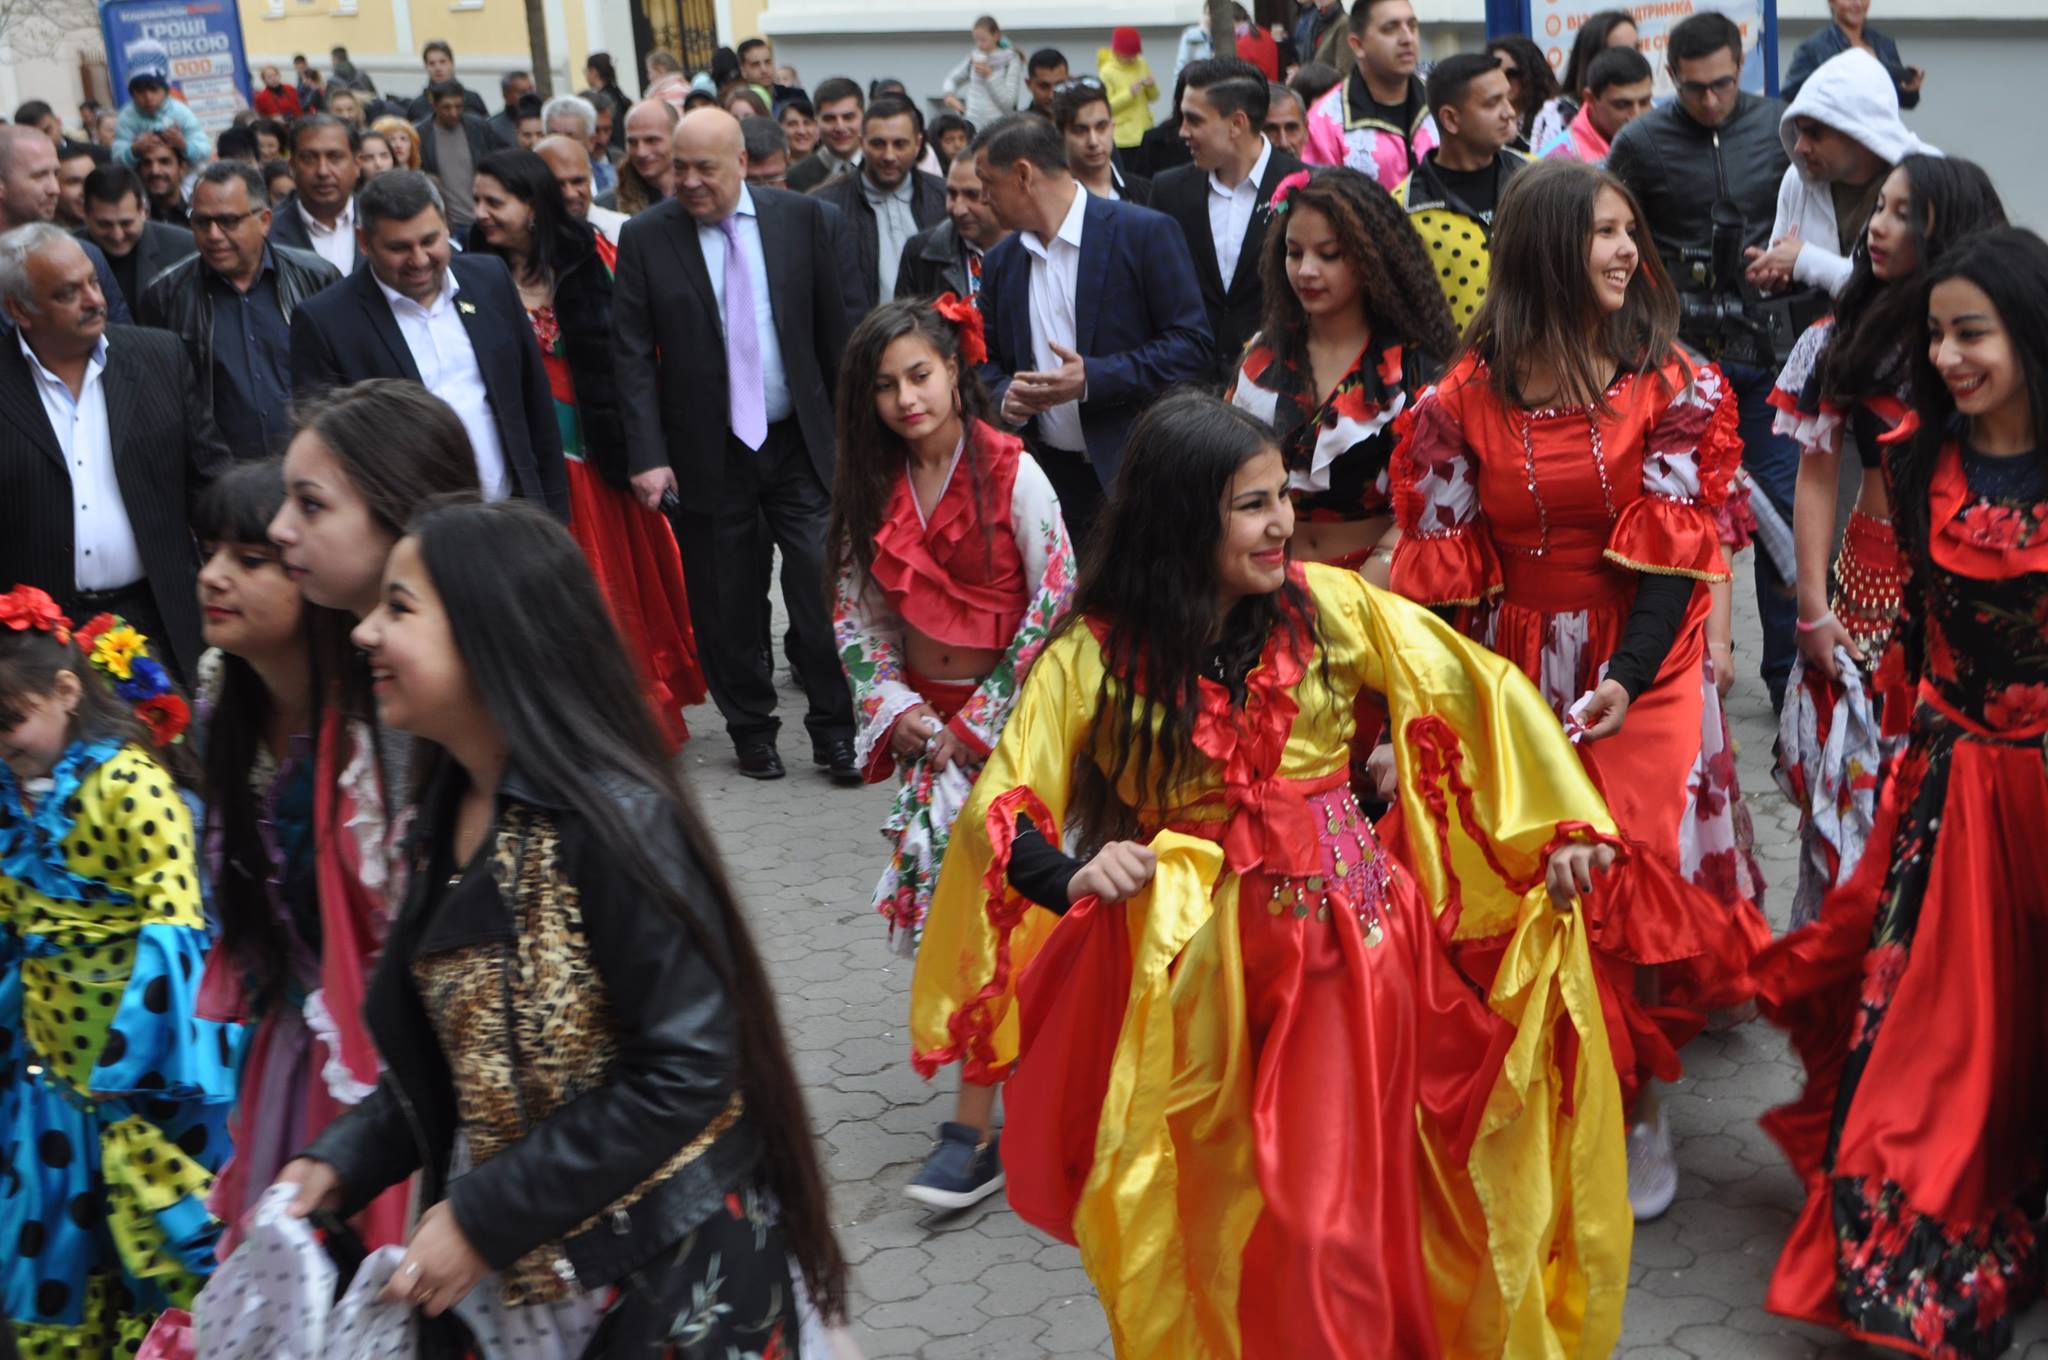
{"x":1283,"y":559}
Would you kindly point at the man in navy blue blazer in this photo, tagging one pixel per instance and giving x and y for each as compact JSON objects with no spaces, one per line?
{"x":1091,"y":309}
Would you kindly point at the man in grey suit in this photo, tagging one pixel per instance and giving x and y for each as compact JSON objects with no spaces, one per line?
{"x":727,"y":289}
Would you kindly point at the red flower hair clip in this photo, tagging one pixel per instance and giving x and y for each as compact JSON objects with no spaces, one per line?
{"x":966,"y":318}
{"x":26,"y":607}
{"x":1284,"y":191}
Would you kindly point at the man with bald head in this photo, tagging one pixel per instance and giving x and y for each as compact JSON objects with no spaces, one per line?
{"x":650,"y":135}
{"x":29,"y":193}
{"x":568,"y":160}
{"x":729,"y":288}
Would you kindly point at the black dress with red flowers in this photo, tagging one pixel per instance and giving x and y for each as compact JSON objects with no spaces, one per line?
{"x":1915,"y":999}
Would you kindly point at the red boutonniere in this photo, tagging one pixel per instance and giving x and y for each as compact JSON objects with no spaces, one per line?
{"x":26,"y":607}
{"x":966,"y":318}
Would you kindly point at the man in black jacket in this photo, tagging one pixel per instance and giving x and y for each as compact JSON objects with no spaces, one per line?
{"x":889,"y":201}
{"x":1219,"y":200}
{"x":724,"y":290}
{"x":1714,"y":153}
{"x":453,"y":142}
{"x":513,"y":86}
{"x":455,"y":326}
{"x":110,"y":445}
{"x":232,"y":305}
{"x":136,"y":249}
{"x":320,"y":213}
{"x":947,"y":258}
{"x":439,"y":60}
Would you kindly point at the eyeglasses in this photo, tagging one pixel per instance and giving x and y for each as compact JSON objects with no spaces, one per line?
{"x":224,"y":221}
{"x":1078,"y":83}
{"x":1694,"y":89}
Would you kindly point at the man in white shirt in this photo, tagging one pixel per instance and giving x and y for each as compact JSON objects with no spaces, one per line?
{"x":1091,"y":310}
{"x":105,"y":442}
{"x":320,"y":213}
{"x":1220,"y":200}
{"x":569,"y":161}
{"x":453,"y":324}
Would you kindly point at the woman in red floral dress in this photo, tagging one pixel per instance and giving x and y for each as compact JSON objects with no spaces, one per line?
{"x":1558,"y":489}
{"x":564,"y":272}
{"x":1915,"y":999}
{"x":1355,"y":328}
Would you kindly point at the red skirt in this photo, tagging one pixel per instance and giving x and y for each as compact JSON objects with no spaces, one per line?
{"x":632,"y":552}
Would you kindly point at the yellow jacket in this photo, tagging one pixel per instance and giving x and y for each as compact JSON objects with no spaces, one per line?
{"x":1130,"y":94}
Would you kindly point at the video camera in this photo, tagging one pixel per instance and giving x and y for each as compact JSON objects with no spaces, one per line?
{"x":1723,"y":314}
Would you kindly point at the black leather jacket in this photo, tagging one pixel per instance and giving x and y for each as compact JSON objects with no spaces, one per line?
{"x":1675,"y":167}
{"x":178,"y":301}
{"x":608,"y":1173}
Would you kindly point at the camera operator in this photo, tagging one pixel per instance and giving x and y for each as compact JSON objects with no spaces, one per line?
{"x":1706,"y":167}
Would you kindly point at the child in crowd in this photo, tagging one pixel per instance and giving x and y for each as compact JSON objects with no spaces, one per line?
{"x":990,"y":81}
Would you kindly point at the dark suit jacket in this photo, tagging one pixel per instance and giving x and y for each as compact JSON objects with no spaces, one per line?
{"x":482,"y":142}
{"x":932,"y":264}
{"x":1234,"y":312}
{"x":927,"y":208}
{"x":161,"y":246}
{"x":287,"y":228}
{"x":670,"y":348}
{"x":166,"y":450}
{"x":1137,"y":313}
{"x":420,"y":107}
{"x":347,"y":334}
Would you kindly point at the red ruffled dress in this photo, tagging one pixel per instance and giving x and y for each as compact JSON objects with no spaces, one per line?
{"x":1915,"y":999}
{"x":632,"y":552}
{"x":1536,"y":524}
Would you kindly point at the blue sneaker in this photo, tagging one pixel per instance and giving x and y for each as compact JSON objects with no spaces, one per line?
{"x":961,"y":1172}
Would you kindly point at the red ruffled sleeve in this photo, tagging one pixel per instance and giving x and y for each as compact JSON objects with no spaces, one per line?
{"x":1690,"y":457}
{"x":1444,"y":556}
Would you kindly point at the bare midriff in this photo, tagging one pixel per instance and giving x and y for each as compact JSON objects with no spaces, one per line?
{"x":1332,"y":540}
{"x":944,"y":660}
{"x":1871,"y":499}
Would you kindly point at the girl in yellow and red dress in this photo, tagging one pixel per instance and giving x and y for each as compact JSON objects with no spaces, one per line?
{"x":1252,"y":1087}
{"x":1558,"y":488}
{"x":563,"y":269}
{"x":1355,"y":329}
{"x":1915,"y":999}
{"x":1849,"y":372}
{"x":953,"y":567}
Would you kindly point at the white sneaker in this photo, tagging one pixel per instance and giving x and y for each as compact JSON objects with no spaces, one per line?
{"x":1652,"y":1168}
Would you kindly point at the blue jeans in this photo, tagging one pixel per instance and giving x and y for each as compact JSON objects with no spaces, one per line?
{"x":1772,"y":461}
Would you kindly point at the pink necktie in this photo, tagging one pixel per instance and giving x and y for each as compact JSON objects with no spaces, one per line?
{"x":742,"y":342}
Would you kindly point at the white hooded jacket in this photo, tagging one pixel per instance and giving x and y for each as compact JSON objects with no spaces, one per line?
{"x":1853,"y":94}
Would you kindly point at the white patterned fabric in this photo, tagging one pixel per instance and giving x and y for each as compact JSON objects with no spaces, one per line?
{"x":1828,"y":765}
{"x":270,"y":1299}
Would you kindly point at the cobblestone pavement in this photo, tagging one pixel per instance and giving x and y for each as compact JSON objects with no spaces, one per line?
{"x":984,"y":1286}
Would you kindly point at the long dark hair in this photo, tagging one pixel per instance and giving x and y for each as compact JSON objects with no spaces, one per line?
{"x":1591,"y":42}
{"x":31,"y":661}
{"x":237,"y":509}
{"x":1149,"y":573}
{"x":2011,"y":265}
{"x":1539,"y":82}
{"x":1877,"y":322}
{"x":870,"y":453}
{"x":1541,"y":299}
{"x":1402,"y":301}
{"x":520,"y":599}
{"x":554,"y":237}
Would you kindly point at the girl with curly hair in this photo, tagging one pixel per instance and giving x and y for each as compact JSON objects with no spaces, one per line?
{"x":1355,"y":328}
{"x":952,"y":565}
{"x":1557,"y":490}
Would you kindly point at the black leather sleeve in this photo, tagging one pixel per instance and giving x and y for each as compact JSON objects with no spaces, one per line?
{"x":1651,"y":629}
{"x":1039,"y":869}
{"x":678,"y":1053}
{"x":371,"y":1147}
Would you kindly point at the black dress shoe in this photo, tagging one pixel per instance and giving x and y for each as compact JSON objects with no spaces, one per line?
{"x":835,"y":757}
{"x":759,"y":760}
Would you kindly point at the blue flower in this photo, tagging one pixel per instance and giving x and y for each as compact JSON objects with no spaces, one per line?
{"x":146,"y":680}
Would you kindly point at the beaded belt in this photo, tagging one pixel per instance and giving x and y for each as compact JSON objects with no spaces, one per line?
{"x":1354,"y":874}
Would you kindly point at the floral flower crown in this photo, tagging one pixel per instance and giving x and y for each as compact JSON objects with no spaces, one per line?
{"x":966,"y":319}
{"x":1283,"y":192}
{"x":114,"y":649}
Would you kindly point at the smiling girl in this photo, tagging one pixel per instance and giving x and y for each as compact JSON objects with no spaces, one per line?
{"x":1250,"y":1077}
{"x":953,"y":566}
{"x":1852,"y":372}
{"x":1921,"y":977}
{"x":1557,"y":490}
{"x":113,"y":1098}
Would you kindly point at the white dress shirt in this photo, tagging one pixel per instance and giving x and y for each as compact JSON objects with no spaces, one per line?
{"x":1055,"y":272}
{"x":1230,"y":212}
{"x":335,"y":244}
{"x":104,"y":554}
{"x":711,"y":240}
{"x":446,"y":359}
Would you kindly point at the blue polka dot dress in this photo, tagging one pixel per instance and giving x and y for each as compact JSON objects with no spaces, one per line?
{"x":113,"y":1098}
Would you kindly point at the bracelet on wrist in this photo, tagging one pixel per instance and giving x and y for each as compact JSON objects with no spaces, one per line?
{"x":1815,"y":625}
